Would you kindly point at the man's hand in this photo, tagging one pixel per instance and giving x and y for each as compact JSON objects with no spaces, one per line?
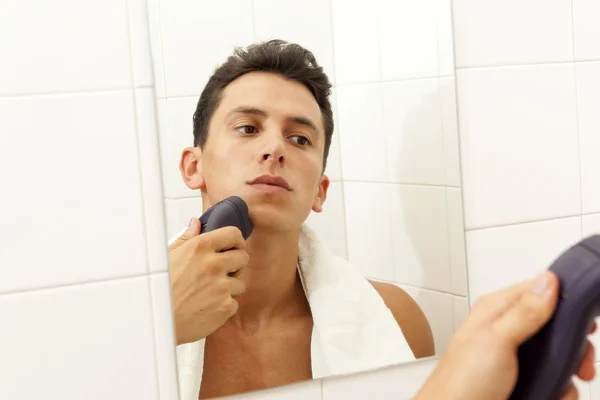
{"x":205,"y":279}
{"x":481,"y":360}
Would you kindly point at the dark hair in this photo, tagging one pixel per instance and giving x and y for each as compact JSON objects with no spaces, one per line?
{"x":288,"y":60}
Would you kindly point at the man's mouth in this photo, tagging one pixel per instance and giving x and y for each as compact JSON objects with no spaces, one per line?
{"x":271,"y":180}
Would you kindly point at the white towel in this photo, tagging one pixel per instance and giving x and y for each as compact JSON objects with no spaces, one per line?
{"x":353,"y":330}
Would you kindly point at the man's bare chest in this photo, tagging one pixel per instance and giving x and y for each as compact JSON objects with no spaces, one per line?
{"x":234,"y":364}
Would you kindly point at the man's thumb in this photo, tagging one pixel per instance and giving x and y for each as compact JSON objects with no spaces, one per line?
{"x":192,"y":230}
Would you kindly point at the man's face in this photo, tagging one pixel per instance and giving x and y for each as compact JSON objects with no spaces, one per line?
{"x":266,"y":128}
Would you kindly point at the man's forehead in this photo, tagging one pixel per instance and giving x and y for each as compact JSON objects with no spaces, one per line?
{"x":262,"y":87}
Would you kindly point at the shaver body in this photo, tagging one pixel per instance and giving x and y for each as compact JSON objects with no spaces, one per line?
{"x":232,"y":211}
{"x":549,"y":359}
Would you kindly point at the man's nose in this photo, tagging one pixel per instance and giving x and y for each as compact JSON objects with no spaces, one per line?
{"x":274,"y":150}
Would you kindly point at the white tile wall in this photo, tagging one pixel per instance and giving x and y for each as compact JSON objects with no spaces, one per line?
{"x":368,"y":229}
{"x":519,"y":144}
{"x":68,"y":343}
{"x":190,"y":51}
{"x":528,"y":135}
{"x":51,"y":50}
{"x":586,"y":29}
{"x":307,"y":23}
{"x":505,"y":32}
{"x":82,"y":209}
{"x":412,"y":124}
{"x":78,"y":179}
{"x":362,"y":145}
{"x":355,"y":41}
{"x":84,"y":162}
{"x":419,"y":223}
{"x":588,"y":104}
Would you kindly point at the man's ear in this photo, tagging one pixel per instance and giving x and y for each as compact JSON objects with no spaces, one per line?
{"x":321,"y":194}
{"x":190,"y":167}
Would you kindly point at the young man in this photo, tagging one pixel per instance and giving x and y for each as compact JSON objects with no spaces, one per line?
{"x":262,"y":131}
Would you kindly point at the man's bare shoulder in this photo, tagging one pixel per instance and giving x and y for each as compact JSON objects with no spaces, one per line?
{"x":410,"y":318}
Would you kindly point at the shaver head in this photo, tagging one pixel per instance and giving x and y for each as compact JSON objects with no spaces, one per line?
{"x":232,"y":211}
{"x":549,"y":359}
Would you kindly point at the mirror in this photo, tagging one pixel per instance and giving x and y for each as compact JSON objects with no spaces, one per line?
{"x":353,"y":268}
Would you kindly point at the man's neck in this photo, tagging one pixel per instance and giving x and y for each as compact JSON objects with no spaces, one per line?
{"x":273,"y":287}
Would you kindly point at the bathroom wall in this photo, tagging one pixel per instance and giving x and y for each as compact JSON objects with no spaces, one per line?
{"x":528,"y":77}
{"x":394,"y":158}
{"x":82,"y":255}
{"x":82,"y":215}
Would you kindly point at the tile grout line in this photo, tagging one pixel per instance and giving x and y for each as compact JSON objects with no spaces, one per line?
{"x":77,"y":284}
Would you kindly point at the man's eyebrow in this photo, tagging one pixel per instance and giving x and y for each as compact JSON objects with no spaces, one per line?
{"x":256,"y":111}
{"x":247,"y":110}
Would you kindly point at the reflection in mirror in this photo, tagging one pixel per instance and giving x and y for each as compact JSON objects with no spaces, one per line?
{"x":341,"y":145}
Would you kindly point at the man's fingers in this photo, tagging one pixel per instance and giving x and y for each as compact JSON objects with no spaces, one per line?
{"x":491,"y":306}
{"x":192,"y":230}
{"x":236,"y":286}
{"x":530,"y":312}
{"x":586,"y":371}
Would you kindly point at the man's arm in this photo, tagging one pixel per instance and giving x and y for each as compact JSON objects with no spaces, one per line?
{"x":410,"y":318}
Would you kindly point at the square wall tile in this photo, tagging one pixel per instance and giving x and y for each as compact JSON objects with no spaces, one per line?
{"x":164,"y":336}
{"x":350,"y":40}
{"x":140,"y":43}
{"x":330,"y":224}
{"x":369,"y":229}
{"x":180,"y":134}
{"x":588,"y":104}
{"x":307,"y":23}
{"x":362,"y":140}
{"x":51,"y":50}
{"x":500,"y":257}
{"x":419,"y":225}
{"x":449,"y":124}
{"x":408,"y":38}
{"x":439,"y":310}
{"x":79,"y":184}
{"x":76,"y":338}
{"x":190,"y":51}
{"x":412,"y":125}
{"x":178,"y":213}
{"x":504,"y":32}
{"x":519,"y":144}
{"x":586,"y":14}
{"x":150,"y":169}
{"x":456,"y":242}
{"x":307,"y":390}
{"x":398,"y":382}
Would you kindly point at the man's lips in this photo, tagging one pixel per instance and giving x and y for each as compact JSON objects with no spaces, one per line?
{"x":270,"y":180}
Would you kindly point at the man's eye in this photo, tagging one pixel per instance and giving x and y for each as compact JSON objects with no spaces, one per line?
{"x":301,"y":140}
{"x":246,"y":129}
